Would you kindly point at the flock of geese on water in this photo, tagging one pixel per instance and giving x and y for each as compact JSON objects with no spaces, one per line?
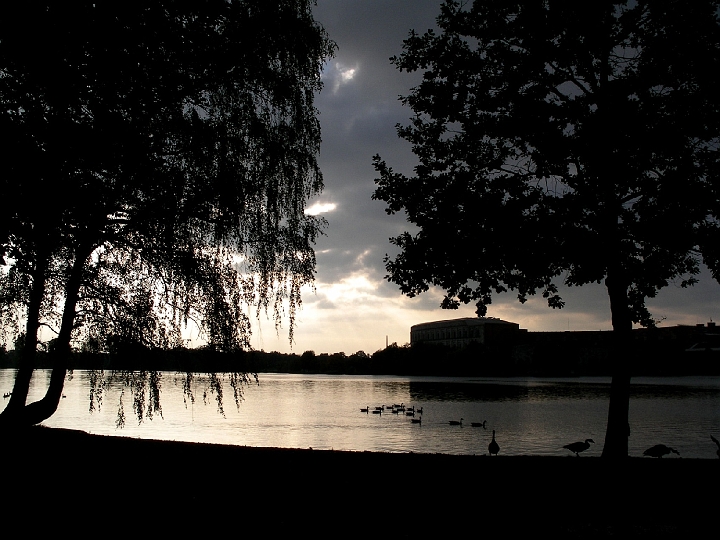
{"x":657,"y":451}
{"x":493,"y":447}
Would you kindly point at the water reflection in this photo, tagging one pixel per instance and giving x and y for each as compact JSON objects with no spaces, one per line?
{"x":529,"y":416}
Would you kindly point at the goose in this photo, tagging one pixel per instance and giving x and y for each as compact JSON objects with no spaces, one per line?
{"x":416,"y":420}
{"x":659,"y":450}
{"x":493,"y":447}
{"x":381,"y":408}
{"x":410,"y":413}
{"x":479,"y":424}
{"x":377,"y":411}
{"x":580,"y":446}
{"x":366,"y":410}
{"x":456,"y":422}
{"x":419,"y":411}
{"x":718,"y":445}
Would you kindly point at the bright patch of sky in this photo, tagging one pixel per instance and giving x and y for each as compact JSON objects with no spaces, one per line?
{"x":320,"y":208}
{"x":339,"y":74}
{"x":348,"y":290}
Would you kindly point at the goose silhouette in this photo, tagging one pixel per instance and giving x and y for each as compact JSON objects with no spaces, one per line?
{"x":659,"y":450}
{"x":366,"y":410}
{"x":456,"y":422}
{"x":718,"y":445}
{"x":580,"y":446}
{"x":479,"y":424}
{"x":416,"y":420}
{"x":493,"y":447}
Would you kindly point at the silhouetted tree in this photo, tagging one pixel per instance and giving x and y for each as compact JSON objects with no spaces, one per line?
{"x":562,"y":141}
{"x":159,"y":158}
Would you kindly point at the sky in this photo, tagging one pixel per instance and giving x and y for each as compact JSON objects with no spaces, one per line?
{"x":353,"y":308}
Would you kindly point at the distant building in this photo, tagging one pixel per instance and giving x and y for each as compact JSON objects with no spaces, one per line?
{"x":462,"y":332}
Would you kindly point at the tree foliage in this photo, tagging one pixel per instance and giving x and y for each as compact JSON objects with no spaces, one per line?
{"x":159,"y":159}
{"x":557,"y":139}
{"x":560,"y":142}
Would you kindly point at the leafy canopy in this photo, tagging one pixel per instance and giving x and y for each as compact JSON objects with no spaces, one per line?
{"x":559,"y":140}
{"x":167,"y":150}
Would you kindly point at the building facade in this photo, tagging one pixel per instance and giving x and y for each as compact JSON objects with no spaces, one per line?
{"x":462,"y":332}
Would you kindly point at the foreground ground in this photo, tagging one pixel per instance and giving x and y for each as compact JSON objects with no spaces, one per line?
{"x":64,"y":479}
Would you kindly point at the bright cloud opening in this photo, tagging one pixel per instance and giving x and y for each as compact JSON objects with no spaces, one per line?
{"x":347,"y":74}
{"x":320,"y":208}
{"x":339,"y":74}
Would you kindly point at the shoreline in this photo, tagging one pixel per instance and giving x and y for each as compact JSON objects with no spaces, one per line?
{"x":286,"y":490}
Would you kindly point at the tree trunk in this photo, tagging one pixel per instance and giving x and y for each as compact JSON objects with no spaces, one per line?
{"x":36,"y":412}
{"x":21,"y":386}
{"x":618,"y":427}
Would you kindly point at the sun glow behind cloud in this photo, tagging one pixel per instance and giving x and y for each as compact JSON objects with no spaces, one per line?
{"x":320,"y":208}
{"x":339,"y":74}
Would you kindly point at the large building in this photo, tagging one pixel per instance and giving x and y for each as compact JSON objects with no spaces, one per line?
{"x":461,"y":332}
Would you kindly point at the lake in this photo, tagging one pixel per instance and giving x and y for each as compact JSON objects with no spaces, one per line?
{"x":531,"y":416}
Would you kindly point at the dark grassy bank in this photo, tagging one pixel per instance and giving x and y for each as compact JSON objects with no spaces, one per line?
{"x":99,"y":483}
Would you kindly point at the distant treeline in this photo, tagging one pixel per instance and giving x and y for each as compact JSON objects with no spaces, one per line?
{"x":528,"y":358}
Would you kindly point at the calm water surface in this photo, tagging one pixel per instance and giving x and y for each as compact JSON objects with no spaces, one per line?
{"x":530,"y":416}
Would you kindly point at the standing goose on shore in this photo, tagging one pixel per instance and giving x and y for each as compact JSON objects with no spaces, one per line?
{"x":659,"y":450}
{"x":580,"y":446}
{"x":493,"y":447}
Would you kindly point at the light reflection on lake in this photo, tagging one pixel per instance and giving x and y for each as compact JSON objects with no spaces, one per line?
{"x":530,"y":416}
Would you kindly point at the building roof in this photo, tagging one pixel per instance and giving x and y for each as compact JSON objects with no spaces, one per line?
{"x":464,"y":321}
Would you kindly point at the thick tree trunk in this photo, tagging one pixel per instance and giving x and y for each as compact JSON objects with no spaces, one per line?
{"x":27,"y":357}
{"x":618,"y":427}
{"x":43,"y":409}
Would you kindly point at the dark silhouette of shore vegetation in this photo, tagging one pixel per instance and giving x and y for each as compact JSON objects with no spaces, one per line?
{"x":542,"y":359}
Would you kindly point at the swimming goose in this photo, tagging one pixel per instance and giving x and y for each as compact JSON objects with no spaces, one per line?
{"x":493,"y":447}
{"x":416,"y":420}
{"x":478,"y":424}
{"x":580,"y":446}
{"x":366,"y":410}
{"x":456,"y":422}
